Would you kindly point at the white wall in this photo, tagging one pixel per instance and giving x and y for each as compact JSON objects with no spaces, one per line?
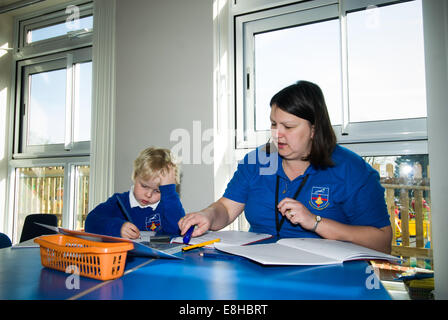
{"x":435,"y":16}
{"x":164,"y":82}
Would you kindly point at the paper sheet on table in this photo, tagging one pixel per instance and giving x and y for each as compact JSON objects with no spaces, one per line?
{"x":145,"y":236}
{"x":228,"y":237}
{"x":26,"y":244}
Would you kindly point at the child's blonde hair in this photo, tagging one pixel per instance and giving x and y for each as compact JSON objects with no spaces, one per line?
{"x":153,"y":161}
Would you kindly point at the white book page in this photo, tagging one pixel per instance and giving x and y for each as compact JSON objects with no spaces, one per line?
{"x":26,"y":244}
{"x":228,"y":237}
{"x":276,"y":254}
{"x":145,"y":236}
{"x":338,"y":250}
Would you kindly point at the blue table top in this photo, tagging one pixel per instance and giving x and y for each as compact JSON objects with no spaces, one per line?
{"x":22,"y":277}
{"x":193,"y":278}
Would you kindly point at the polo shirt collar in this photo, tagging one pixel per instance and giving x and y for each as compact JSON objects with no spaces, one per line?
{"x":280,"y":172}
{"x":134,"y":203}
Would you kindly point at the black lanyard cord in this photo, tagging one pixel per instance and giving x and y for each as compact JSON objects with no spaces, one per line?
{"x":278,"y":225}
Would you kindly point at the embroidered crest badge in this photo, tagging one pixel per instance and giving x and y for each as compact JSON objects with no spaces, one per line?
{"x":320,"y":197}
{"x":153,"y":223}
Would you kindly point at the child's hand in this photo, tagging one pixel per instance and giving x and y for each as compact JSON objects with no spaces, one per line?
{"x":130,"y":231}
{"x":168,"y":177}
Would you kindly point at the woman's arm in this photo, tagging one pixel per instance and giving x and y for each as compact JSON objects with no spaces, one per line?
{"x":215,"y":217}
{"x":375,"y":238}
{"x":371,"y":237}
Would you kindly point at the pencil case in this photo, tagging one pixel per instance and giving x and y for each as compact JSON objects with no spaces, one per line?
{"x":97,"y":260}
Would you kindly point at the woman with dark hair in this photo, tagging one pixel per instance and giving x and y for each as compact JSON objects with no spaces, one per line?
{"x":303,"y":184}
{"x":305,"y":100}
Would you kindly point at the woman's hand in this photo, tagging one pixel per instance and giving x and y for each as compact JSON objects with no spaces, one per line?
{"x":200,"y":219}
{"x":129,"y":231}
{"x":215,"y":217}
{"x":374,"y":238}
{"x":297,"y":213}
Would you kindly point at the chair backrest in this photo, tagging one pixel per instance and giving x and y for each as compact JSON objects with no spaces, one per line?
{"x":31,"y":230}
{"x":5,"y":242}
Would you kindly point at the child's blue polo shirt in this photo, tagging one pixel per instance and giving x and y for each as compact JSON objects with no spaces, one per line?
{"x":350,"y":192}
{"x":107,"y":218}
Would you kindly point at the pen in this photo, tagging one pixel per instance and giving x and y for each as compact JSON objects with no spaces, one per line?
{"x":202,"y":244}
{"x":125,"y":212}
{"x":123,"y":209}
{"x":188,"y":234}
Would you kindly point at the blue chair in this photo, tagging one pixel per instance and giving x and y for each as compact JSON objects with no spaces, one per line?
{"x":32,"y":230}
{"x":5,"y":242}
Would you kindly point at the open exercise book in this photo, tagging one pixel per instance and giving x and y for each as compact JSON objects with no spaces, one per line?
{"x":305,"y":251}
{"x":227,"y":237}
{"x":144,"y":248}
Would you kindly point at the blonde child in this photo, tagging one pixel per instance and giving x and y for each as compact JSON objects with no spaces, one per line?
{"x":152,"y":203}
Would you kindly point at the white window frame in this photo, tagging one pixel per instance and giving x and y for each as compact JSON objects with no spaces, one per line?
{"x":69,"y":200}
{"x":73,"y":47}
{"x":71,"y":40}
{"x":411,"y":133}
{"x":64,"y":60}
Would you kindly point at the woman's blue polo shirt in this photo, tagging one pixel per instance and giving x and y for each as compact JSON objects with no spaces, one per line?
{"x":350,"y":192}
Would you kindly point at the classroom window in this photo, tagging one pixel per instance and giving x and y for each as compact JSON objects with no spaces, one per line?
{"x":386,"y":67}
{"x":52,"y":115}
{"x":408,"y":198}
{"x":38,"y":190}
{"x":55,"y":103}
{"x":311,"y":50}
{"x":68,"y":26}
{"x":43,"y":33}
{"x":81,"y":175}
{"x":45,"y":108}
{"x":83,"y":101}
{"x":369,"y":62}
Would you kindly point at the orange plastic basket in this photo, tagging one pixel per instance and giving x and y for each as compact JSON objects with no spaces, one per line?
{"x":98,"y":260}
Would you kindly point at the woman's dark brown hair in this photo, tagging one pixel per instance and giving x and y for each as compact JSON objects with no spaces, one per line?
{"x":305,"y":100}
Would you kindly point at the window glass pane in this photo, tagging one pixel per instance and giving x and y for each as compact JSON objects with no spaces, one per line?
{"x":82,"y":174}
{"x":83,"y":101}
{"x":59,"y":29}
{"x":38,"y":190}
{"x":46,"y":124}
{"x":282,"y":57}
{"x":408,"y":199}
{"x":386,"y":63}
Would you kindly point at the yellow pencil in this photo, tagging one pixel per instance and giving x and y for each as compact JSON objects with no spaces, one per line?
{"x":202,"y":244}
